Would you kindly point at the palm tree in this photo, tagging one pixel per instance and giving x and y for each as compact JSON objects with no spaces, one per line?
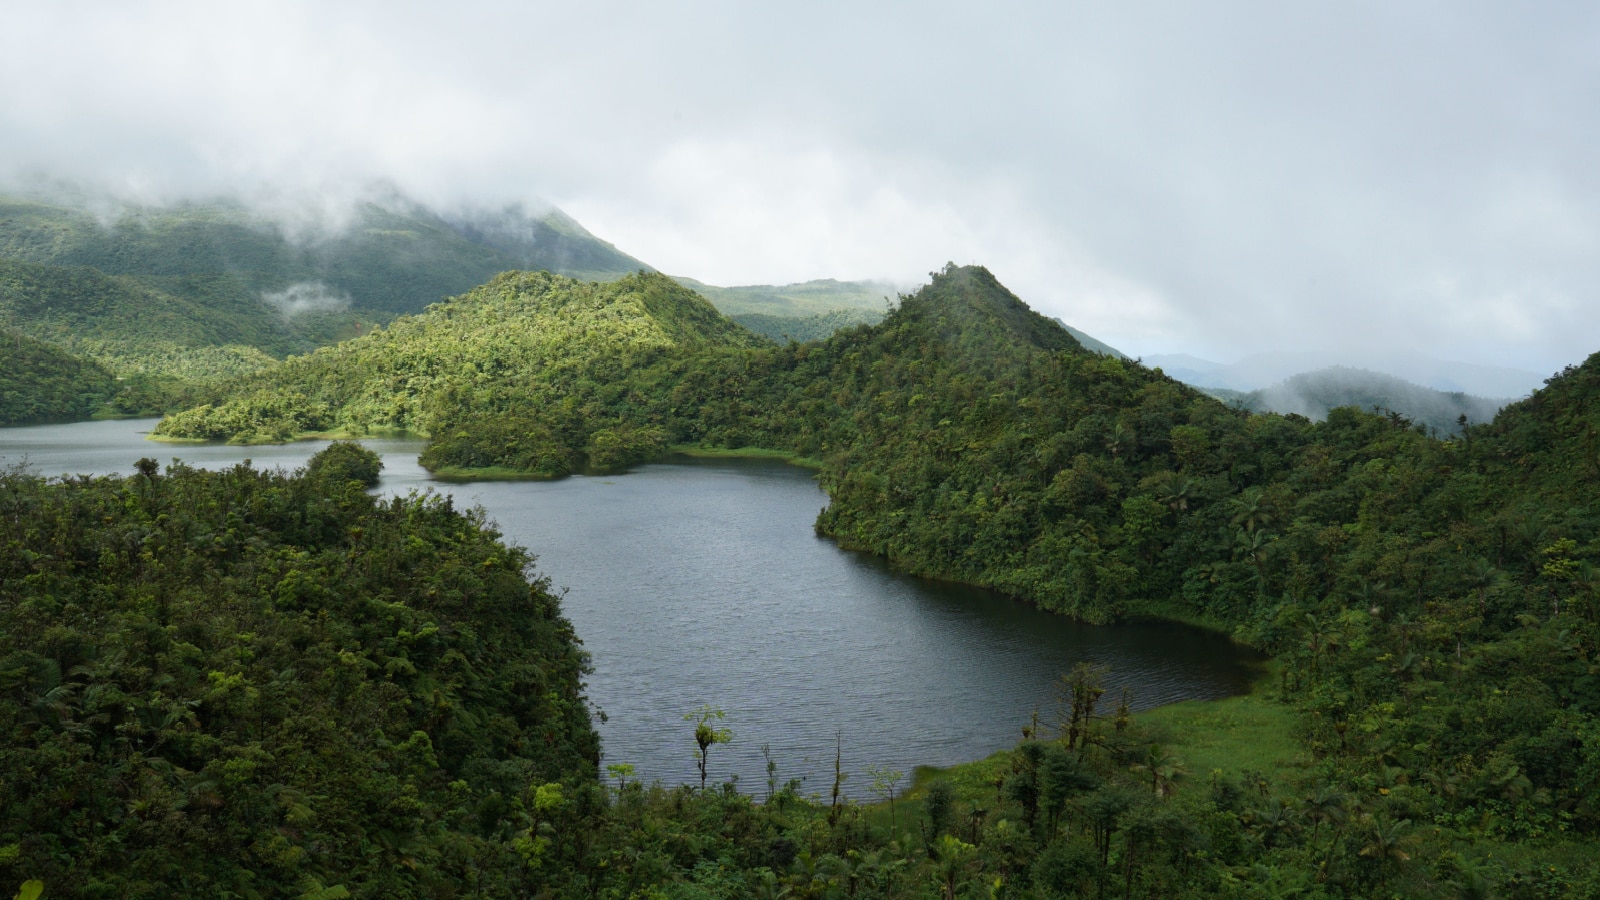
{"x":1178,"y":494}
{"x":1163,"y":768}
{"x":1250,"y":511}
{"x":1387,"y":842}
{"x":1325,"y":807}
{"x":1321,"y":634}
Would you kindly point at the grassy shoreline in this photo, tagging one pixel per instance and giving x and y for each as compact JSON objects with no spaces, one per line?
{"x":1228,"y":737}
{"x":337,"y":434}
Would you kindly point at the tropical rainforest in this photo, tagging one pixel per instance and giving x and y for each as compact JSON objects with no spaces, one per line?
{"x":1431,"y":606}
{"x":170,"y":297}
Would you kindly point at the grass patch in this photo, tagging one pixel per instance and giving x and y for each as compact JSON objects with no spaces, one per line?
{"x":487,"y":473}
{"x":1163,"y":612}
{"x":746,"y":453}
{"x":1252,"y":732}
{"x":1249,"y":733}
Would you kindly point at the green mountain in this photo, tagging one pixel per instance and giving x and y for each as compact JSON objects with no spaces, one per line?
{"x":808,"y":311}
{"x":1313,"y":394}
{"x":815,"y":327}
{"x":535,"y":330}
{"x":392,"y":257}
{"x":1091,"y":343}
{"x":190,"y":292}
{"x":40,"y":382}
{"x":809,"y":298}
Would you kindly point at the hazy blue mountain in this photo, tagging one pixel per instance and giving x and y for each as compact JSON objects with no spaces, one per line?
{"x":1090,"y":342}
{"x":1313,"y":394}
{"x":1263,"y":370}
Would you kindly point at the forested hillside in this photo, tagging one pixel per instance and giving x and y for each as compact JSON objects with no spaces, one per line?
{"x":815,"y":327}
{"x":548,"y":338}
{"x":40,"y":382}
{"x":392,"y":256}
{"x":251,"y":684}
{"x":168,"y":298}
{"x":1433,"y":604}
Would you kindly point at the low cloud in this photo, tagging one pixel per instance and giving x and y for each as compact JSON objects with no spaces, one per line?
{"x":304,"y":297}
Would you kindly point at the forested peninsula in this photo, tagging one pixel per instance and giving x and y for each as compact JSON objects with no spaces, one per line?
{"x":1432,"y":607}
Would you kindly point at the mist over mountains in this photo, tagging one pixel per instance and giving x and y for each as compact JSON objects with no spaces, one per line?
{"x":1263,"y":370}
{"x":1314,"y":394}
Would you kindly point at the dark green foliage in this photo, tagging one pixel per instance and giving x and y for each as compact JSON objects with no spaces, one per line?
{"x":40,"y":382}
{"x":818,"y":327}
{"x":260,"y":684}
{"x":343,"y":461}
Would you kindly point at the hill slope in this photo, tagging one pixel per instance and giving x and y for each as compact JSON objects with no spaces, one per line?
{"x":40,"y":382}
{"x":535,"y":329}
{"x":393,"y":256}
{"x":807,"y":298}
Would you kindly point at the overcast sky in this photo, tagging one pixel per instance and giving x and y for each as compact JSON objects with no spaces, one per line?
{"x":1217,"y":178}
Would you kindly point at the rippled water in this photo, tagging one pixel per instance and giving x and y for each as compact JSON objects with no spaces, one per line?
{"x":701,"y":582}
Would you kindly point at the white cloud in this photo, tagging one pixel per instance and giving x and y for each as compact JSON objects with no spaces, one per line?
{"x":1218,"y":178}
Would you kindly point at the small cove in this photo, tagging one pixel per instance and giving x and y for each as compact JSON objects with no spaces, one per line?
{"x":700,"y":581}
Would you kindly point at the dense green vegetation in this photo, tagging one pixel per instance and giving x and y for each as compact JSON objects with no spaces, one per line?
{"x":169,"y":298}
{"x":249,"y":684}
{"x":547,"y":339}
{"x":40,"y":382}
{"x":802,"y":329}
{"x":392,"y":255}
{"x":1432,"y":604}
{"x":1314,"y":394}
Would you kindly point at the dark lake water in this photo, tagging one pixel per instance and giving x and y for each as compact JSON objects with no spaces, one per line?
{"x":699,"y":582}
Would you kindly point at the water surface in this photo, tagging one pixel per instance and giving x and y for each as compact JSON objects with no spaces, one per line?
{"x":701,"y":582}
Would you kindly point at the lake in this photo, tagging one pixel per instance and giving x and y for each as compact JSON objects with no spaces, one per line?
{"x":701,"y":582}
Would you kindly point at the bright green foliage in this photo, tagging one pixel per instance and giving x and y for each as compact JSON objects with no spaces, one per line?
{"x":40,"y":382}
{"x":168,"y":298}
{"x":343,"y":461}
{"x":820,"y":326}
{"x":524,"y":344}
{"x":251,"y":684}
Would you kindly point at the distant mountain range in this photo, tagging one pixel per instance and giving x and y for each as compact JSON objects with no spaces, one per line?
{"x":1313,"y":394}
{"x":1266,"y":369}
{"x":197,"y":290}
{"x":184,"y":293}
